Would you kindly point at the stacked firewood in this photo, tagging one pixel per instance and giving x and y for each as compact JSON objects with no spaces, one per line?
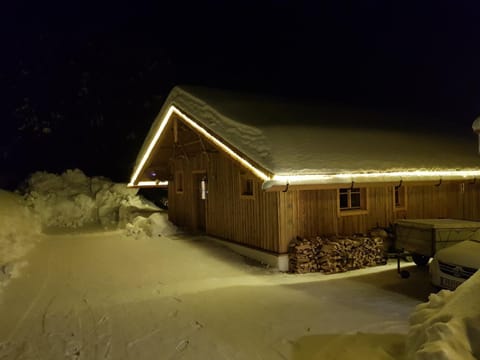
{"x":335,"y":254}
{"x":341,"y":254}
{"x":303,"y":255}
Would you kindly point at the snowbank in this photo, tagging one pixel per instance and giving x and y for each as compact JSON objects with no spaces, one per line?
{"x":70,"y":201}
{"x":19,"y":231}
{"x":73,"y":200}
{"x":155,"y":225}
{"x":448,"y":325}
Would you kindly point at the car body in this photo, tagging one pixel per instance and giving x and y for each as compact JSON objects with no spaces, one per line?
{"x":453,"y":265}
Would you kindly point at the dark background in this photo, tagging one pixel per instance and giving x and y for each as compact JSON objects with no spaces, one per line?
{"x":82,"y":82}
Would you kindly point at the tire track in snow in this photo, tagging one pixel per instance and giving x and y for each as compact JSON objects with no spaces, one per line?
{"x":76,"y":332}
{"x":34,"y":302}
{"x":79,"y":334}
{"x":140,"y":339}
{"x":45,"y":313}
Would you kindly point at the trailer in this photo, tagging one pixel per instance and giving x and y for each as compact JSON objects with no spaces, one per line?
{"x":422,"y":238}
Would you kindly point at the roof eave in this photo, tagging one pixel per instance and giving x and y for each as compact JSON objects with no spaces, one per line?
{"x":157,"y":130}
{"x":291,"y":181}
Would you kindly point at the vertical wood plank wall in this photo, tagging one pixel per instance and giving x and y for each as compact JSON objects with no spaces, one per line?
{"x":449,"y":200}
{"x":249,"y":221}
{"x":315,"y":212}
{"x":252,"y":222}
{"x":270,"y":220}
{"x":181,"y":205}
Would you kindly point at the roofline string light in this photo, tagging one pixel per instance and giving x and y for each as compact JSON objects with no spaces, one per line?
{"x":174,"y":110}
{"x":152,"y":183}
{"x":292,"y":178}
{"x":390,"y":176}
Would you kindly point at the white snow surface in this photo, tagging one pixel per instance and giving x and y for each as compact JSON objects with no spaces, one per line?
{"x":74,"y":200}
{"x":148,"y":292}
{"x":19,"y":232}
{"x":476,"y":125}
{"x":69,"y":201}
{"x":447,"y":327}
{"x":302,"y":138}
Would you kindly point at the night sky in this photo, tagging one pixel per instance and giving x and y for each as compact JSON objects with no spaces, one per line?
{"x":82,"y":82}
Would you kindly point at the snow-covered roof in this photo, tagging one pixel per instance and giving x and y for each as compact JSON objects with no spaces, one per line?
{"x":300,"y":142}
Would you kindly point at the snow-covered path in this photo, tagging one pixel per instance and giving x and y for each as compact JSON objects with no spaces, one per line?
{"x":109,"y":296}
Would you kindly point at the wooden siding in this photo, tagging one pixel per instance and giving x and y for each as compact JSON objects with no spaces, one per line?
{"x":181,"y":206}
{"x":315,"y":212}
{"x":252,"y":220}
{"x":270,"y":220}
{"x":248,"y":220}
{"x":449,"y":200}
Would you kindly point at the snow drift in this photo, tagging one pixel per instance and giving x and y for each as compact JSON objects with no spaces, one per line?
{"x":155,"y":225}
{"x":19,"y":231}
{"x":70,"y":201}
{"x":73,"y":200}
{"x":448,"y":325}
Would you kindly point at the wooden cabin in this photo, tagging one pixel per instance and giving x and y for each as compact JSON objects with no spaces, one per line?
{"x":256,"y":172}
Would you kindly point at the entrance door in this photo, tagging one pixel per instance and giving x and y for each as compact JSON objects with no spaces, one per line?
{"x":200,"y":201}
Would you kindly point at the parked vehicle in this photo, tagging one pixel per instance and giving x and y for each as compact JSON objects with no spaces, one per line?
{"x":424,"y":237}
{"x":453,"y":265}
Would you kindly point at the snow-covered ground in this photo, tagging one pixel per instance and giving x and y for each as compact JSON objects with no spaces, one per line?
{"x":447,"y":327}
{"x":148,"y":292}
{"x":19,"y":232}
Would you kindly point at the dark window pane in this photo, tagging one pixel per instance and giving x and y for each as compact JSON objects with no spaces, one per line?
{"x":343,"y":200}
{"x":397,"y":196}
{"x":355,"y":198}
{"x":247,"y":186}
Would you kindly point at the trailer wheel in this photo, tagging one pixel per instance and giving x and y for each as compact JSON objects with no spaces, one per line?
{"x":420,"y":260}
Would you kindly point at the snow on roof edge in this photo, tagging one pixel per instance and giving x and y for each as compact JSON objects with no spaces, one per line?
{"x":189,"y":103}
{"x":372,"y":177}
{"x":193,"y":105}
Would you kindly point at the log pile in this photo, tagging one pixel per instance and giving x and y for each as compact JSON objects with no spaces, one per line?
{"x":335,"y":254}
{"x":303,"y":255}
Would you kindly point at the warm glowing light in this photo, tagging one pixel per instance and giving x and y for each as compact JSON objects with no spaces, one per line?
{"x":292,"y":179}
{"x":150,"y":147}
{"x":411,"y":175}
{"x":149,"y":183}
{"x":345,"y":178}
{"x":221,"y":145}
{"x":163,"y":123}
{"x":152,"y":183}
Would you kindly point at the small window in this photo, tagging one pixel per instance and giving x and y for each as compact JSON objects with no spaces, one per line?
{"x":179,"y":182}
{"x":352,"y":200}
{"x":400,"y":197}
{"x":246,"y":186}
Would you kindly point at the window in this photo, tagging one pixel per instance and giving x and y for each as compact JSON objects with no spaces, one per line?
{"x":179,"y":182}
{"x":246,"y":186}
{"x":352,"y":201}
{"x":400,"y":197}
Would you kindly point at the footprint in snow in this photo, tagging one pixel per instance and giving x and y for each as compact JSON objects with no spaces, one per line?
{"x":4,"y":346}
{"x":103,"y":319}
{"x":72,"y":350}
{"x":182,"y":345}
{"x":197,"y":325}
